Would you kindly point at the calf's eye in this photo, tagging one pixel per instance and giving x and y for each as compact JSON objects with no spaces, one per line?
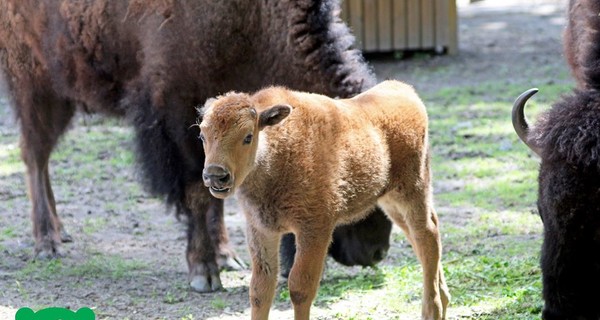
{"x":248,"y":139}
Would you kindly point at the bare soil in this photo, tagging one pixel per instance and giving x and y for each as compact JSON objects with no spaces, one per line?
{"x":127,"y":258}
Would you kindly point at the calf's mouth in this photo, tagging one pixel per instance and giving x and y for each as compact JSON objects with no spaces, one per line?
{"x":218,"y":179}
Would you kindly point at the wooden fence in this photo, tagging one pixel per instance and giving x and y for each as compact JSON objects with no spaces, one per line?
{"x":390,"y":25}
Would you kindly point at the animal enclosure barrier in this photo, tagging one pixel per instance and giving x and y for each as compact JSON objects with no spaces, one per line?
{"x":390,"y":25}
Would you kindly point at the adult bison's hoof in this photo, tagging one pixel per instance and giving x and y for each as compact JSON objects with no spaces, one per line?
{"x":47,"y":248}
{"x":204,"y":277}
{"x":47,"y":252}
{"x":206,"y":283}
{"x":48,"y":255}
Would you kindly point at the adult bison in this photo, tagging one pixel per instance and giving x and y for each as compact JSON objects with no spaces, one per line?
{"x":567,"y":138}
{"x":152,"y":62}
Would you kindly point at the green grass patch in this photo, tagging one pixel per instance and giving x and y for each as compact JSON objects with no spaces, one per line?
{"x":485,"y":173}
{"x":473,"y":142}
{"x":10,"y":159}
{"x":86,"y":152}
{"x":7,"y":232}
{"x":98,"y":266}
{"x":219,"y":303}
{"x":92,"y":225}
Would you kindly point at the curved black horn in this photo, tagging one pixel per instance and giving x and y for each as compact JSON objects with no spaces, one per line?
{"x":520,"y":123}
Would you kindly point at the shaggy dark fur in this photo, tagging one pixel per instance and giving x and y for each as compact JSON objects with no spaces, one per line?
{"x":569,"y":204}
{"x":567,"y":138}
{"x":153,"y":62}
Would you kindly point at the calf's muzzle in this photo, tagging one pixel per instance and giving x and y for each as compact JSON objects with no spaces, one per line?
{"x":217,"y":178}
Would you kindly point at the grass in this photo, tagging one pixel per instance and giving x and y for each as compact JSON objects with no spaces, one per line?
{"x":10,"y":159}
{"x":219,"y":303}
{"x":92,"y":149}
{"x":97,"y":266}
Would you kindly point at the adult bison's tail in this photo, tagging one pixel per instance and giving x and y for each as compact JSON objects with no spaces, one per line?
{"x":325,"y":45}
{"x":520,"y":122}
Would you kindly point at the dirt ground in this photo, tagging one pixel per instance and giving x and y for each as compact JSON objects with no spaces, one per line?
{"x":134,"y":252}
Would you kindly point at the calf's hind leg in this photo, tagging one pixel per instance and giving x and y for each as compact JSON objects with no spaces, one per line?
{"x":416,"y":216}
{"x":43,"y":119}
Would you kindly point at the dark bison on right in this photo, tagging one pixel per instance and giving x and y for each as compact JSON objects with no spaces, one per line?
{"x":567,"y":138}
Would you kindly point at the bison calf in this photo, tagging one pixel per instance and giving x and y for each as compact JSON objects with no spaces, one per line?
{"x":329,"y":163}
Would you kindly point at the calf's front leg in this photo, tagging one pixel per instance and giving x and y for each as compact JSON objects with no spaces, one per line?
{"x":264,"y":251}
{"x":303,"y":282}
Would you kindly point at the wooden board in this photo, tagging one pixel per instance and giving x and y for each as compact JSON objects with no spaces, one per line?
{"x":388,"y":25}
{"x":356,"y":21}
{"x":385,"y":35}
{"x":427,"y":23}
{"x":345,"y":11}
{"x":413,"y":18}
{"x":452,"y":27}
{"x":370,"y":24}
{"x":399,"y":24}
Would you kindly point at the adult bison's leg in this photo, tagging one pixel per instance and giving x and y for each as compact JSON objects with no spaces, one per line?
{"x":201,"y":251}
{"x":43,"y":119}
{"x":227,"y":259}
{"x":208,"y":248}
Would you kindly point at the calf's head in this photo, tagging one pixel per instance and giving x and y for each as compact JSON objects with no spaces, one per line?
{"x":229,"y":132}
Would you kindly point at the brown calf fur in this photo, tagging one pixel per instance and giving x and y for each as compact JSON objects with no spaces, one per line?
{"x":329,"y":163}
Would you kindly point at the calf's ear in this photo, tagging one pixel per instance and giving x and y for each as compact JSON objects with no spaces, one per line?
{"x":273,"y":115}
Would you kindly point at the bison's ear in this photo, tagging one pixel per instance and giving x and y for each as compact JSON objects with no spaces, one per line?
{"x":273,"y":115}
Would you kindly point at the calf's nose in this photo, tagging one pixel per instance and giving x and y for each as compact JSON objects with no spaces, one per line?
{"x":216,"y":175}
